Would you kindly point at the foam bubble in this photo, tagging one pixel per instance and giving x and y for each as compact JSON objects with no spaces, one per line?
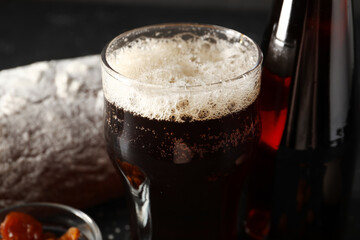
{"x":166,"y":75}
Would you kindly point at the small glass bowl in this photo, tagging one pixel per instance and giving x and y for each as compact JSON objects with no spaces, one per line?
{"x":57,"y":218}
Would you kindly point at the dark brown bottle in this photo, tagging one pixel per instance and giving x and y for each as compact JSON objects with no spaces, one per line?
{"x":314,"y":166}
{"x":280,"y":48}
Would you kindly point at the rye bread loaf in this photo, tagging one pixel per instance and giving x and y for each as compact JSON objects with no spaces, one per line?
{"x":51,"y":135}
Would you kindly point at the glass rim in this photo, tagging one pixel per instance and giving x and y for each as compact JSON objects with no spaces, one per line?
{"x":124,"y":79}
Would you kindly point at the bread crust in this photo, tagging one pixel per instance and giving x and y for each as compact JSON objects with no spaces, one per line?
{"x":51,"y":135}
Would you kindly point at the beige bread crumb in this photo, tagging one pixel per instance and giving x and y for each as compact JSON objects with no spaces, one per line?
{"x":51,"y":135}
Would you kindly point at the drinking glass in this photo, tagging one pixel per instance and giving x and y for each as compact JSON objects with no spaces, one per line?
{"x":182,"y":142}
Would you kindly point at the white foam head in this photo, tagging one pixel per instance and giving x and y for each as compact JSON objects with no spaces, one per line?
{"x":183,"y":77}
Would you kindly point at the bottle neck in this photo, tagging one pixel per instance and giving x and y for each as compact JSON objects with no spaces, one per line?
{"x":287,"y":21}
{"x":282,"y":29}
{"x":285,"y":31}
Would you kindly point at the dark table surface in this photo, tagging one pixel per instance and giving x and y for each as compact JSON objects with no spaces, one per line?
{"x":37,"y":31}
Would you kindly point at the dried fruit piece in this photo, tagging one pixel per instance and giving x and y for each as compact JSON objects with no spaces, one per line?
{"x":72,"y":234}
{"x":21,"y":226}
